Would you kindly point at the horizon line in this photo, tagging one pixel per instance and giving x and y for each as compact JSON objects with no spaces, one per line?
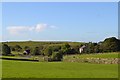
{"x":51,"y":41}
{"x":60,"y":1}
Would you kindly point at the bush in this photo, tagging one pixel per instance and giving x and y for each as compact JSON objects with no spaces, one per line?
{"x":75,"y":49}
{"x":57,"y":56}
{"x":56,"y":48}
{"x":36,"y":51}
{"x":18,"y":48}
{"x":26,"y":47}
{"x":6,"y":49}
{"x":48,"y":51}
{"x":12,"y":48}
{"x":66,"y":48}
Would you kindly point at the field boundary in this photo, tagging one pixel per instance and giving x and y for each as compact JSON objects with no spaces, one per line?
{"x":94,"y":60}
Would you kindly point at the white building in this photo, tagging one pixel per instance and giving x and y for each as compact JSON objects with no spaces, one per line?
{"x":81,"y":49}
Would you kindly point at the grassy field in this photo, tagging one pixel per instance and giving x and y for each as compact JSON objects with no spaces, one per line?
{"x":99,"y":55}
{"x":24,"y":69}
{"x":29,"y":69}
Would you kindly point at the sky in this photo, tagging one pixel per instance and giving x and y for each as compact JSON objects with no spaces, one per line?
{"x":59,"y":21}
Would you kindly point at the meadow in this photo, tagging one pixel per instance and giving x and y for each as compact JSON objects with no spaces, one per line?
{"x":95,"y":55}
{"x":25,"y":69}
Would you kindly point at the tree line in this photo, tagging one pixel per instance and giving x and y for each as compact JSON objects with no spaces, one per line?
{"x":111,"y":44}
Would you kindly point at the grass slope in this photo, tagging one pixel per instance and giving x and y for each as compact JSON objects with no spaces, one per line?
{"x":20,"y":69}
{"x":33,"y":44}
{"x":95,"y":55}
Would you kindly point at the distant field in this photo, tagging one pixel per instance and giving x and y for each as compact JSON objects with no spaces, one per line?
{"x":24,"y":69}
{"x":40,"y":43}
{"x":96,"y":55}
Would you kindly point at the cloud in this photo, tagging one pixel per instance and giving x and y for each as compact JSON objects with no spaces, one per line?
{"x":54,"y":27}
{"x":40,"y":27}
{"x":16,"y":30}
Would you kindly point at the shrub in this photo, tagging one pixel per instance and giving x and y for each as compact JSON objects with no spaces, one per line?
{"x":66,"y":48}
{"x":18,"y":48}
{"x":56,"y":48}
{"x":6,"y":49}
{"x":48,"y":51}
{"x":36,"y":51}
{"x":75,"y":49}
{"x":12,"y":48}
{"x":57,"y":56}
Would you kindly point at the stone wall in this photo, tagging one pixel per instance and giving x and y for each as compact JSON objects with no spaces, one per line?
{"x":94,"y":60}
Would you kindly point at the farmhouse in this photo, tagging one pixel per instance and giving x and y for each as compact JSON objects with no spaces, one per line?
{"x":81,"y":49}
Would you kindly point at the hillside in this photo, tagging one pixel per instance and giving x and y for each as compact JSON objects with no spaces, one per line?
{"x":39,"y":43}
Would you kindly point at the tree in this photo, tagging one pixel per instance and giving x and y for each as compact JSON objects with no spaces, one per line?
{"x":48,"y":51}
{"x":111,"y":45}
{"x":36,"y":51}
{"x":97,"y":49}
{"x":6,"y":49}
{"x":26,"y":47}
{"x":12,"y":48}
{"x":18,"y":48}
{"x":75,"y":49}
{"x":66,"y":45}
{"x":41,"y":47}
{"x":57,"y":56}
{"x":92,"y":48}
{"x":56,"y":48}
{"x":66,"y":48}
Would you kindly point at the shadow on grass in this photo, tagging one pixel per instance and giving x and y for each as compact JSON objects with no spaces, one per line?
{"x":16,"y":59}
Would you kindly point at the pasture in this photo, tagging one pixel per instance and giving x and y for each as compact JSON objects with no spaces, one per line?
{"x":95,"y":55}
{"x":25,"y":69}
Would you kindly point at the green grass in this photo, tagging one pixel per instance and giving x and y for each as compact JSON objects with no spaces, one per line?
{"x":95,"y":55}
{"x":33,"y":44}
{"x":15,"y":52}
{"x":24,"y":69}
